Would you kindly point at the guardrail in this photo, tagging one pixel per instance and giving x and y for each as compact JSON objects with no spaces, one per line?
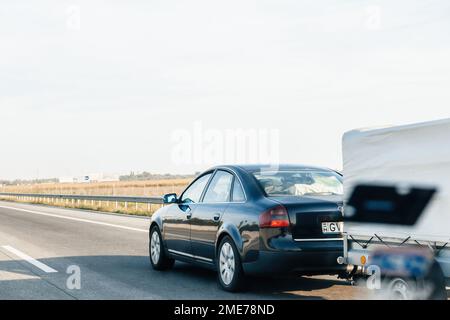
{"x":78,"y":199}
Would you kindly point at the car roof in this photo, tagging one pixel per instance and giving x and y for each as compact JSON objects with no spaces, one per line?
{"x":280,"y":167}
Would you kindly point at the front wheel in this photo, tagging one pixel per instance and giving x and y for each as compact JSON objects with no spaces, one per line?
{"x":158,"y":257}
{"x":229,"y":266}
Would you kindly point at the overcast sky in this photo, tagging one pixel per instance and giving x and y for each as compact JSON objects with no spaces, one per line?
{"x":101,"y":86}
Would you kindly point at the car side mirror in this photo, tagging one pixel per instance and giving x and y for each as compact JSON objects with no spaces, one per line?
{"x":170,"y":198}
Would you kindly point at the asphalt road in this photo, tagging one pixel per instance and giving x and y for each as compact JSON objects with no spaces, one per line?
{"x":39,"y":244}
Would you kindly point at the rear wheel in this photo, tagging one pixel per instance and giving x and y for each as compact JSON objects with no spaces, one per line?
{"x":400,"y":289}
{"x":229,"y":266}
{"x":430,"y":287}
{"x":157,"y":251}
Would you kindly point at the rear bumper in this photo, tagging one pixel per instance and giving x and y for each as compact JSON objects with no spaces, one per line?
{"x":311,"y":258}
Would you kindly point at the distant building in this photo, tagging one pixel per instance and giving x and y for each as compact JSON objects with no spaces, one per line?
{"x":65,"y":179}
{"x":89,"y":178}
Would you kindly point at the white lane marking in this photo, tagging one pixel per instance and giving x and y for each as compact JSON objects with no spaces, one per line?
{"x":77,"y":219}
{"x":29,"y":259}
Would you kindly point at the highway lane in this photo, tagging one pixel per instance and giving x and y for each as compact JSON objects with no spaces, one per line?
{"x":38,"y":244}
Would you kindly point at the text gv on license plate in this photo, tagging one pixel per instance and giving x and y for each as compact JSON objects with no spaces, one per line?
{"x":332,"y":227}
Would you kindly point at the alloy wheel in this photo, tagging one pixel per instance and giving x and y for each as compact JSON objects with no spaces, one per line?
{"x":399,"y":289}
{"x":155,"y":247}
{"x":227,"y":263}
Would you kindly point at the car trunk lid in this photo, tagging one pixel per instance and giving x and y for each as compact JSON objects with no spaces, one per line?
{"x":307,"y":213}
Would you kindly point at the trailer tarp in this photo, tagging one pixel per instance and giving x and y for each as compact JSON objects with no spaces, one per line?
{"x":411,"y":155}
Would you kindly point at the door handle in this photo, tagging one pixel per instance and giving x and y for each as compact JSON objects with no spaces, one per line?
{"x":217,"y":217}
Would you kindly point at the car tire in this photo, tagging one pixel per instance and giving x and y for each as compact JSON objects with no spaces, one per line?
{"x":157,"y":252}
{"x":229,"y":266}
{"x":430,"y":287}
{"x":399,"y":288}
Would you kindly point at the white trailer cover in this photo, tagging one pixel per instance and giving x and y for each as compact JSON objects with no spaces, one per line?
{"x":416,"y":155}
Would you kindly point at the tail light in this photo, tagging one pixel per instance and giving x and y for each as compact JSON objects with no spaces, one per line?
{"x":274,"y":218}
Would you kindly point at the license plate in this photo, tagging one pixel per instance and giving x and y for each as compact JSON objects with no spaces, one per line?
{"x":332,"y":227}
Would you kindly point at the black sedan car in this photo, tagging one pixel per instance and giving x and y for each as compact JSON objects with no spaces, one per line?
{"x":252,"y":219}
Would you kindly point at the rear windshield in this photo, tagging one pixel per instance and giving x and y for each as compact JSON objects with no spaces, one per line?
{"x":300,"y":183}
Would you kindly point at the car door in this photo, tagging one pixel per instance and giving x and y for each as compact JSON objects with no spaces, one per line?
{"x":206,"y":217}
{"x":177,"y":229}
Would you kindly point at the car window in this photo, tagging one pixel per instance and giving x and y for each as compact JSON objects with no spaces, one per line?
{"x":238,"y":192}
{"x":220,"y":188}
{"x":301,"y":183}
{"x":194,"y":192}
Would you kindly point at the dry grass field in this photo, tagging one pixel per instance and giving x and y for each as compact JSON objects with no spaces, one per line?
{"x":149,"y":188}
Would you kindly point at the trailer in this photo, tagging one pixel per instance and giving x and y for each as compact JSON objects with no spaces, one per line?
{"x":405,"y":157}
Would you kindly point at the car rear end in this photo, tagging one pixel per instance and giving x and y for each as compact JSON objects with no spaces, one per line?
{"x":300,"y":233}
